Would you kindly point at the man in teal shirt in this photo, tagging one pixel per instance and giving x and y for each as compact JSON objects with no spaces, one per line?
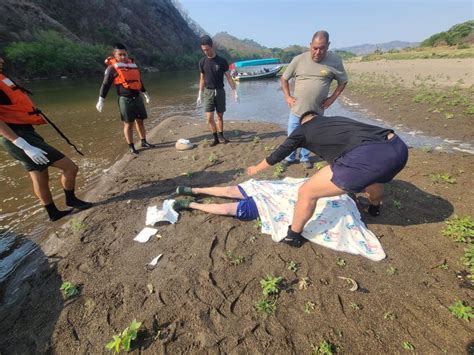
{"x":313,"y":72}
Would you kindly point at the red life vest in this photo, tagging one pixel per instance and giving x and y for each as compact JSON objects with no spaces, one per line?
{"x":21,"y":110}
{"x":128,"y":73}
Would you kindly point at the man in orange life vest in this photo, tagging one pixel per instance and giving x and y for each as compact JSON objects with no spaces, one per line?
{"x":20,"y":140}
{"x":125,"y":75}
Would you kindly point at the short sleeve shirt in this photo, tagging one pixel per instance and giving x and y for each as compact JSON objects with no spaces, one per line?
{"x":313,"y":80}
{"x":213,"y":70}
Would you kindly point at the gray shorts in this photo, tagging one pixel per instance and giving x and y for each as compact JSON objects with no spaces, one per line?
{"x":132,"y":108}
{"x":35,"y":140}
{"x":214,"y":100}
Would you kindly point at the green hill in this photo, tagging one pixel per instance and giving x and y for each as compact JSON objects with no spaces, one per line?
{"x":459,"y":34}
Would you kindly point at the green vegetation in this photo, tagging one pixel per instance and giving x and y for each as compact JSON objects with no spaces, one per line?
{"x":468,"y":260}
{"x":212,"y":158}
{"x":51,"y":54}
{"x":341,"y":262}
{"x":459,"y":310}
{"x":408,"y":346}
{"x":320,"y":164}
{"x":69,"y":289}
{"x":461,"y":229}
{"x":345,"y":54}
{"x":454,"y":36}
{"x":397,"y":204}
{"x":422,"y":53}
{"x":278,"y":171}
{"x":356,"y":306}
{"x":292,"y":266}
{"x":443,"y":178}
{"x":256,"y":140}
{"x":270,"y":285}
{"x":389,"y":316}
{"x":234,"y":259}
{"x":123,"y":341}
{"x":309,"y":306}
{"x":392,"y":270}
{"x":324,"y":348}
{"x":266,"y":306}
{"x":77,"y":225}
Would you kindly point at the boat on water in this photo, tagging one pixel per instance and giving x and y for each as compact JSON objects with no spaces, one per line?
{"x":255,"y":69}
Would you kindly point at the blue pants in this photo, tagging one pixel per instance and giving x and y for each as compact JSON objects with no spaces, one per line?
{"x":294,"y":123}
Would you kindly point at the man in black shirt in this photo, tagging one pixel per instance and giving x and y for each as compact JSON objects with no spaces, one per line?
{"x":361,"y":158}
{"x":125,"y":75}
{"x":211,"y":86}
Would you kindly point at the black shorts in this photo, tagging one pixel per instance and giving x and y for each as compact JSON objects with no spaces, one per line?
{"x":369,"y":163}
{"x":132,"y":108}
{"x":35,"y":140}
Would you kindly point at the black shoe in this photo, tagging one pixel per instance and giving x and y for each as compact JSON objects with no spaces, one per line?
{"x":147,"y":145}
{"x":223,"y":139}
{"x":180,"y":205}
{"x":374,"y":210}
{"x":133,"y":151}
{"x":293,"y":239}
{"x":213,"y":144}
{"x":59,"y":214}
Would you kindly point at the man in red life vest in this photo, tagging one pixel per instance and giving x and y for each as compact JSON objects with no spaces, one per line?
{"x":17,"y":135}
{"x":125,"y":75}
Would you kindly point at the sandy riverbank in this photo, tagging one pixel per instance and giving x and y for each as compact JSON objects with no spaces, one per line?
{"x":202,"y":303}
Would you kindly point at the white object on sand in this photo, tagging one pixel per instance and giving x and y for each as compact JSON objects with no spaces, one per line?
{"x":145,"y":234}
{"x":184,"y":144}
{"x":155,"y":260}
{"x":166,"y":214}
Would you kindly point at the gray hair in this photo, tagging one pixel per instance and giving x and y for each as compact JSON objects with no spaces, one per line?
{"x":323,"y":34}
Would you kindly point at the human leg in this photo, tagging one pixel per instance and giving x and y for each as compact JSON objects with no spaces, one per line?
{"x":219,"y":191}
{"x":220,"y":127}
{"x":68,"y":180}
{"x":224,"y":209}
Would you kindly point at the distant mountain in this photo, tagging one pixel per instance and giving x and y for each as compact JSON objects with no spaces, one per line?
{"x":462,"y":33}
{"x":230,"y":42}
{"x":364,"y":49}
{"x":197,"y":29}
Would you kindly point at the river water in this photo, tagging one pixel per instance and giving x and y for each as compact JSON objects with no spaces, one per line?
{"x":71,"y":105}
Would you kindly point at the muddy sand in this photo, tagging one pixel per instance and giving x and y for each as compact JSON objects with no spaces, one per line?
{"x":197,"y":301}
{"x":430,"y":96}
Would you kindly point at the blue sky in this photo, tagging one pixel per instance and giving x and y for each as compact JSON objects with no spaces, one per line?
{"x":279,"y":23}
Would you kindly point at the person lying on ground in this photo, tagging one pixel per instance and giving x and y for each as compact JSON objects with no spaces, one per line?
{"x":361,"y":158}
{"x":23,"y":143}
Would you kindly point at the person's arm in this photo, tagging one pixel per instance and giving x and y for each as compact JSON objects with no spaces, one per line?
{"x":201,"y":89}
{"x":341,"y":77}
{"x":109,"y":77}
{"x":37,"y":155}
{"x":295,"y":140}
{"x":232,"y":85}
{"x":289,"y":73}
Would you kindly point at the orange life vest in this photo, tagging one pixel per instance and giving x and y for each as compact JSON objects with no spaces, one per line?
{"x":128,"y":73}
{"x":21,"y":110}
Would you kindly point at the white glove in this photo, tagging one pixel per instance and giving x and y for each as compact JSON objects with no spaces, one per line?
{"x":236,"y":96}
{"x":100,"y":104}
{"x":199,"y":99}
{"x":147,"y":98}
{"x":37,"y":155}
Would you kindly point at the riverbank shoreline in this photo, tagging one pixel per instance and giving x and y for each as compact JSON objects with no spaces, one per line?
{"x":199,"y":301}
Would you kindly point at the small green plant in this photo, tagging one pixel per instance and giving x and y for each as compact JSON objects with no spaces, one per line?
{"x":187,"y":174}
{"x":208,"y":200}
{"x":266,"y":306}
{"x":461,"y":229}
{"x":270,"y":285}
{"x":320,"y":164}
{"x":258,"y":223}
{"x":212,"y":158}
{"x":69,"y":289}
{"x":123,"y":341}
{"x":309,"y":306}
{"x":468,"y":260}
{"x":459,"y":310}
{"x":444,"y":266}
{"x":356,"y":306}
{"x":449,"y":115}
{"x":234,"y":259}
{"x":443,"y":178}
{"x":256,"y":140}
{"x":278,"y":171}
{"x":269,"y":148}
{"x":77,"y":225}
{"x":391,"y":270}
{"x":324,"y":348}
{"x":408,"y":346}
{"x":340,"y":262}
{"x":389,"y":316}
{"x":292,"y":266}
{"x":397,"y":204}
{"x":304,"y":283}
